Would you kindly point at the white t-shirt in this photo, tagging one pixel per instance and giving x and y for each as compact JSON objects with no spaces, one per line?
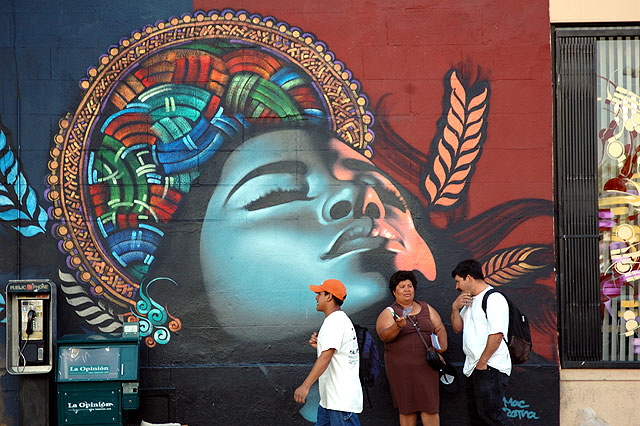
{"x":477,"y":327}
{"x":339,"y":385}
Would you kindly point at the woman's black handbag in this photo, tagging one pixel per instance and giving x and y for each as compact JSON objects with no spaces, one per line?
{"x":435,"y":360}
{"x":447,"y":372}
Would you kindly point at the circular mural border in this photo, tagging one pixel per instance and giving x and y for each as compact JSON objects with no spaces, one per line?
{"x":347,"y":109}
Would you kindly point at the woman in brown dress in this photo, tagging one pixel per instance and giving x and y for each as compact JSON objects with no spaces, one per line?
{"x":413,"y":383}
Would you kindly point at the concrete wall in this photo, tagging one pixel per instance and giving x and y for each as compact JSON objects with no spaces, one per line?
{"x":589,"y":11}
{"x":597,"y":395}
{"x":448,"y":104}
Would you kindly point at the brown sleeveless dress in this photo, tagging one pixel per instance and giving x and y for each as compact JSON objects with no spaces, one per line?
{"x":413,"y":383}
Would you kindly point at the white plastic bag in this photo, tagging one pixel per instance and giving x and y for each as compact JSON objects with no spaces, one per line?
{"x":588,"y":417}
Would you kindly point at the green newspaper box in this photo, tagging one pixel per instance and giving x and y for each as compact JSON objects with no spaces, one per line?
{"x":97,"y":378}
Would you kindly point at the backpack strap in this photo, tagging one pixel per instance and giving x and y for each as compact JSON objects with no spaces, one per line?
{"x":484,"y":299}
{"x":484,"y":306}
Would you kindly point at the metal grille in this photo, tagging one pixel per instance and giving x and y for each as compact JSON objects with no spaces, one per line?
{"x":577,"y":199}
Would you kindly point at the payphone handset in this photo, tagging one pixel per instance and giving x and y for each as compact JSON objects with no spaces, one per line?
{"x":32,"y":319}
{"x":30,"y":326}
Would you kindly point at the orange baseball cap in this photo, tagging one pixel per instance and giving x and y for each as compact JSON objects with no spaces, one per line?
{"x":333,"y":286}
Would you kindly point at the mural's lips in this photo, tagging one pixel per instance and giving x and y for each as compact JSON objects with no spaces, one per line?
{"x":365,"y":235}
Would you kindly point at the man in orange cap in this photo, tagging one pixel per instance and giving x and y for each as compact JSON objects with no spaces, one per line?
{"x":338,"y":363}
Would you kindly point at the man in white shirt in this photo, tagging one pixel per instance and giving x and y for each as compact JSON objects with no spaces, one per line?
{"x":338,"y":364}
{"x":487,"y":363}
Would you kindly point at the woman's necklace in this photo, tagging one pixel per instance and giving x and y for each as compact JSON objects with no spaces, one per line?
{"x":406,"y":309}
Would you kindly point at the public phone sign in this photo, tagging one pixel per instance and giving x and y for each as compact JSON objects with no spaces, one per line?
{"x":27,"y":286}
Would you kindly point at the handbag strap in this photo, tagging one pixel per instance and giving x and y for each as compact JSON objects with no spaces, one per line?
{"x":415,"y":324}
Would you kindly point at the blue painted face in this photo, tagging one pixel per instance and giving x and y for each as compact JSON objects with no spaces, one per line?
{"x":293,"y":208}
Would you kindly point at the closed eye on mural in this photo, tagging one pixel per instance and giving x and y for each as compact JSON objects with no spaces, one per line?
{"x":274,"y":183}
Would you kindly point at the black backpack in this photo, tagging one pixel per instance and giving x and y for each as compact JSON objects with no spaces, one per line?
{"x":519,"y":335}
{"x":369,"y":359}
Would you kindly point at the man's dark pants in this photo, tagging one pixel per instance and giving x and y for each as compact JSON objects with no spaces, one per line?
{"x":485,"y":393}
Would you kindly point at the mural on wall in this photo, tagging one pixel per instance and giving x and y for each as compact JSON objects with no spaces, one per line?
{"x":19,"y":208}
{"x":263,"y":137}
{"x":220,"y":162}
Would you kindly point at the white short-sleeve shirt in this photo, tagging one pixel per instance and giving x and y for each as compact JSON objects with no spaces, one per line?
{"x":477,"y":327}
{"x":339,"y":385}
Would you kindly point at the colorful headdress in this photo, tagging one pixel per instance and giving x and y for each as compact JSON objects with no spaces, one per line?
{"x":175,"y":110}
{"x":160,"y":105}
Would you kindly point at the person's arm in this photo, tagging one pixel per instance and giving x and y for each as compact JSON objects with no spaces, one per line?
{"x":439,"y":329}
{"x":464,"y":299}
{"x":493,"y":342}
{"x":388,"y":327}
{"x":319,"y":367}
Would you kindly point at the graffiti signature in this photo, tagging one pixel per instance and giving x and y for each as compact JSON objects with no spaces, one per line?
{"x":518,"y":409}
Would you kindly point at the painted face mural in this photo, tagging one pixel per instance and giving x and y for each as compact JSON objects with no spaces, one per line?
{"x":310,"y":204}
{"x":214,"y":165}
{"x":233,"y":159}
{"x":186,"y":134}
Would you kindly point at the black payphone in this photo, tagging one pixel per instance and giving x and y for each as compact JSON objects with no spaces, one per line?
{"x":30,"y":308}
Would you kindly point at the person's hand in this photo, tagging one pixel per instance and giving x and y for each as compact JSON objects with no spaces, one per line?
{"x":300,"y":394}
{"x":401,"y":321}
{"x":464,"y":299}
{"x":313,"y":340}
{"x":481,"y":365}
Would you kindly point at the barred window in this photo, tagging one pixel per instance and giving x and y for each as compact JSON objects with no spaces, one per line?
{"x":597,"y":163}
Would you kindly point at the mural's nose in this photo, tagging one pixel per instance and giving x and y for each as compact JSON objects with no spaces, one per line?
{"x":369,"y":204}
{"x":363,"y":202}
